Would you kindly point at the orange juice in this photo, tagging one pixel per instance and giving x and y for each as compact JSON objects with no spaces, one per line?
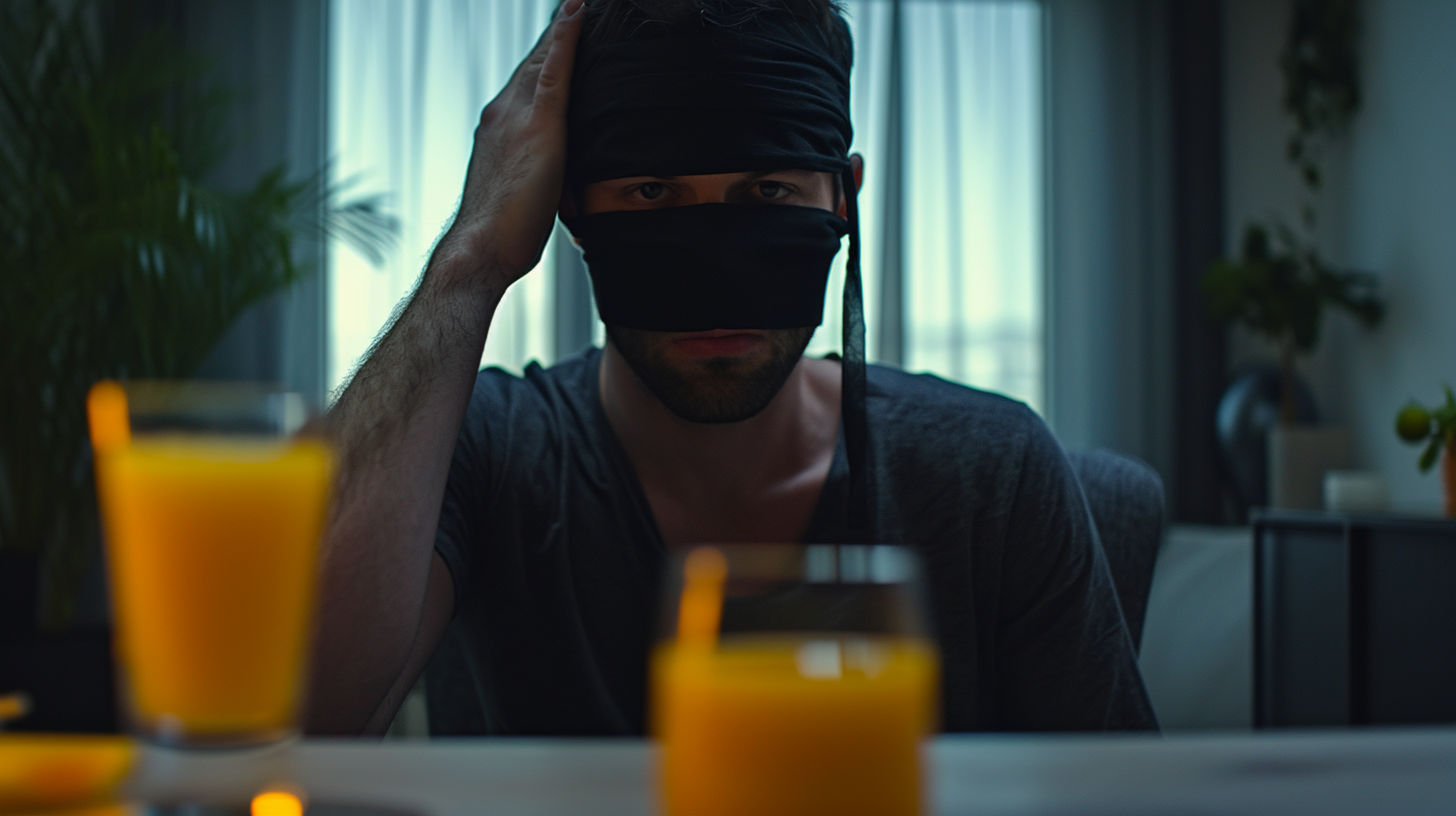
{"x":40,"y":772}
{"x":794,"y":724}
{"x":213,"y":545}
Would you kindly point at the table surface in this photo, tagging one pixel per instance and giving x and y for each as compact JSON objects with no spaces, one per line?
{"x":1407,"y":771}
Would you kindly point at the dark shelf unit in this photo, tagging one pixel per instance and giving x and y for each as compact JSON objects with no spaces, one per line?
{"x":1354,"y":619}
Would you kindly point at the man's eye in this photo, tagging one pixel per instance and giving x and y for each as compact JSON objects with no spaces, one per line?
{"x":650,"y":191}
{"x":772,"y":189}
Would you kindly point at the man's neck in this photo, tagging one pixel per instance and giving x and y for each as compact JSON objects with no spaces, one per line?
{"x":774,"y":459}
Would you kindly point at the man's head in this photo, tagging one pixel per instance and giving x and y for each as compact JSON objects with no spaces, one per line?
{"x":772,"y":148}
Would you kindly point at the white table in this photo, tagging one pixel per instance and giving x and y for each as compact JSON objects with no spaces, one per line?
{"x":1410,"y":772}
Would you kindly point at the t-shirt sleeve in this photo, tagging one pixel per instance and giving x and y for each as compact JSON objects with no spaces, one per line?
{"x":1066,"y":659}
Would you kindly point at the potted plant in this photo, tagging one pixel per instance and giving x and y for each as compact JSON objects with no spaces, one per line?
{"x":1279,"y":288}
{"x":118,"y":259}
{"x":1279,"y":285}
{"x":1437,"y":428}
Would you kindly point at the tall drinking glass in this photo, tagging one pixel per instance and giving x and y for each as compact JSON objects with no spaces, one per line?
{"x":212,"y":509}
{"x":794,"y":680}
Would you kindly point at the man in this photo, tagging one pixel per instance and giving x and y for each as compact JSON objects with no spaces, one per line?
{"x":702,"y":165}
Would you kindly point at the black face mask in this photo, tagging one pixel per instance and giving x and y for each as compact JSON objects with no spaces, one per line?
{"x":710,"y":266}
{"x":771,"y":93}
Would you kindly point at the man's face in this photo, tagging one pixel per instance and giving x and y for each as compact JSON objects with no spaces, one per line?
{"x":728,"y":374}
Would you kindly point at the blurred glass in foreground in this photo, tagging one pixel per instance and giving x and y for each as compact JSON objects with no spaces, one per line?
{"x":212,"y":509}
{"x":794,"y":680}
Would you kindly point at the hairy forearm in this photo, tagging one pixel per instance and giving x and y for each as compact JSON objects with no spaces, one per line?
{"x":394,"y":428}
{"x":396,"y":424}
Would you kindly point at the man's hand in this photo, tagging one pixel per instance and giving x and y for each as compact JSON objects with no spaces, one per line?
{"x":517,"y":165}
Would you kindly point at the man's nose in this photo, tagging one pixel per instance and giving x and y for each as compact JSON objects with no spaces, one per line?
{"x":711,"y":192}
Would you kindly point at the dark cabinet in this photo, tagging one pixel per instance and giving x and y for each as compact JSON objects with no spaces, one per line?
{"x":1354,"y":619}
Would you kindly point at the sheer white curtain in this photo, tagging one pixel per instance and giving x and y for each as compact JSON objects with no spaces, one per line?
{"x":970,"y":198}
{"x":973,"y":204}
{"x":410,"y":78}
{"x":1111,"y":272}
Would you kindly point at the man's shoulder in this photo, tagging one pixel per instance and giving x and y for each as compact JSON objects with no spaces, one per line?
{"x":899,"y":396}
{"x":925,"y":422}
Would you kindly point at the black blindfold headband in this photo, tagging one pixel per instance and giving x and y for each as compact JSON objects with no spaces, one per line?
{"x":672,"y":100}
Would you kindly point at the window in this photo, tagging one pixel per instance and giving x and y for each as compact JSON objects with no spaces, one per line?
{"x":408,"y":82}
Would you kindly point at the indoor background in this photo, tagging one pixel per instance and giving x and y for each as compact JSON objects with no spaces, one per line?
{"x":1047,"y":185}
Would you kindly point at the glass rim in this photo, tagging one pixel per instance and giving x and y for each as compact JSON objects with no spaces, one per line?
{"x":850,"y":589}
{"x":214,"y":407}
{"x":814,"y":563}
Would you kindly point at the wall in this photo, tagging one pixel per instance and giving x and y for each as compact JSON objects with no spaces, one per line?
{"x":1390,"y":209}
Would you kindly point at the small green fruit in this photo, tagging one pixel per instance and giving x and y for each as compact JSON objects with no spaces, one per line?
{"x":1413,"y":423}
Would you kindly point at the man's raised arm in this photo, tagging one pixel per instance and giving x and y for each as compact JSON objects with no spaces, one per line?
{"x":385,"y":598}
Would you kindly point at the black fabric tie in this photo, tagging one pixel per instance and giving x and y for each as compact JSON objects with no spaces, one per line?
{"x":853,"y":395}
{"x":676,"y":101}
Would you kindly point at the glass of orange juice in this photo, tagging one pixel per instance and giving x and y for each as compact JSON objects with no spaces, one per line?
{"x":212,"y":508}
{"x":793,"y":680}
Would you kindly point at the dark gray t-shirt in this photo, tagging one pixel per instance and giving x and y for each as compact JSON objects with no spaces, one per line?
{"x":556,"y":561}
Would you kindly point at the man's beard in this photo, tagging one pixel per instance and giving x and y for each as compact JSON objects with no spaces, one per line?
{"x":713,"y":389}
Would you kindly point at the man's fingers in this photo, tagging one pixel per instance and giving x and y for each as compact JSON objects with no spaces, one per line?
{"x":554,"y":80}
{"x":523,"y":79}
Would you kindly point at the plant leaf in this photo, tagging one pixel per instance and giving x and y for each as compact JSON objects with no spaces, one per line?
{"x":1432,"y":452}
{"x":116,"y":258}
